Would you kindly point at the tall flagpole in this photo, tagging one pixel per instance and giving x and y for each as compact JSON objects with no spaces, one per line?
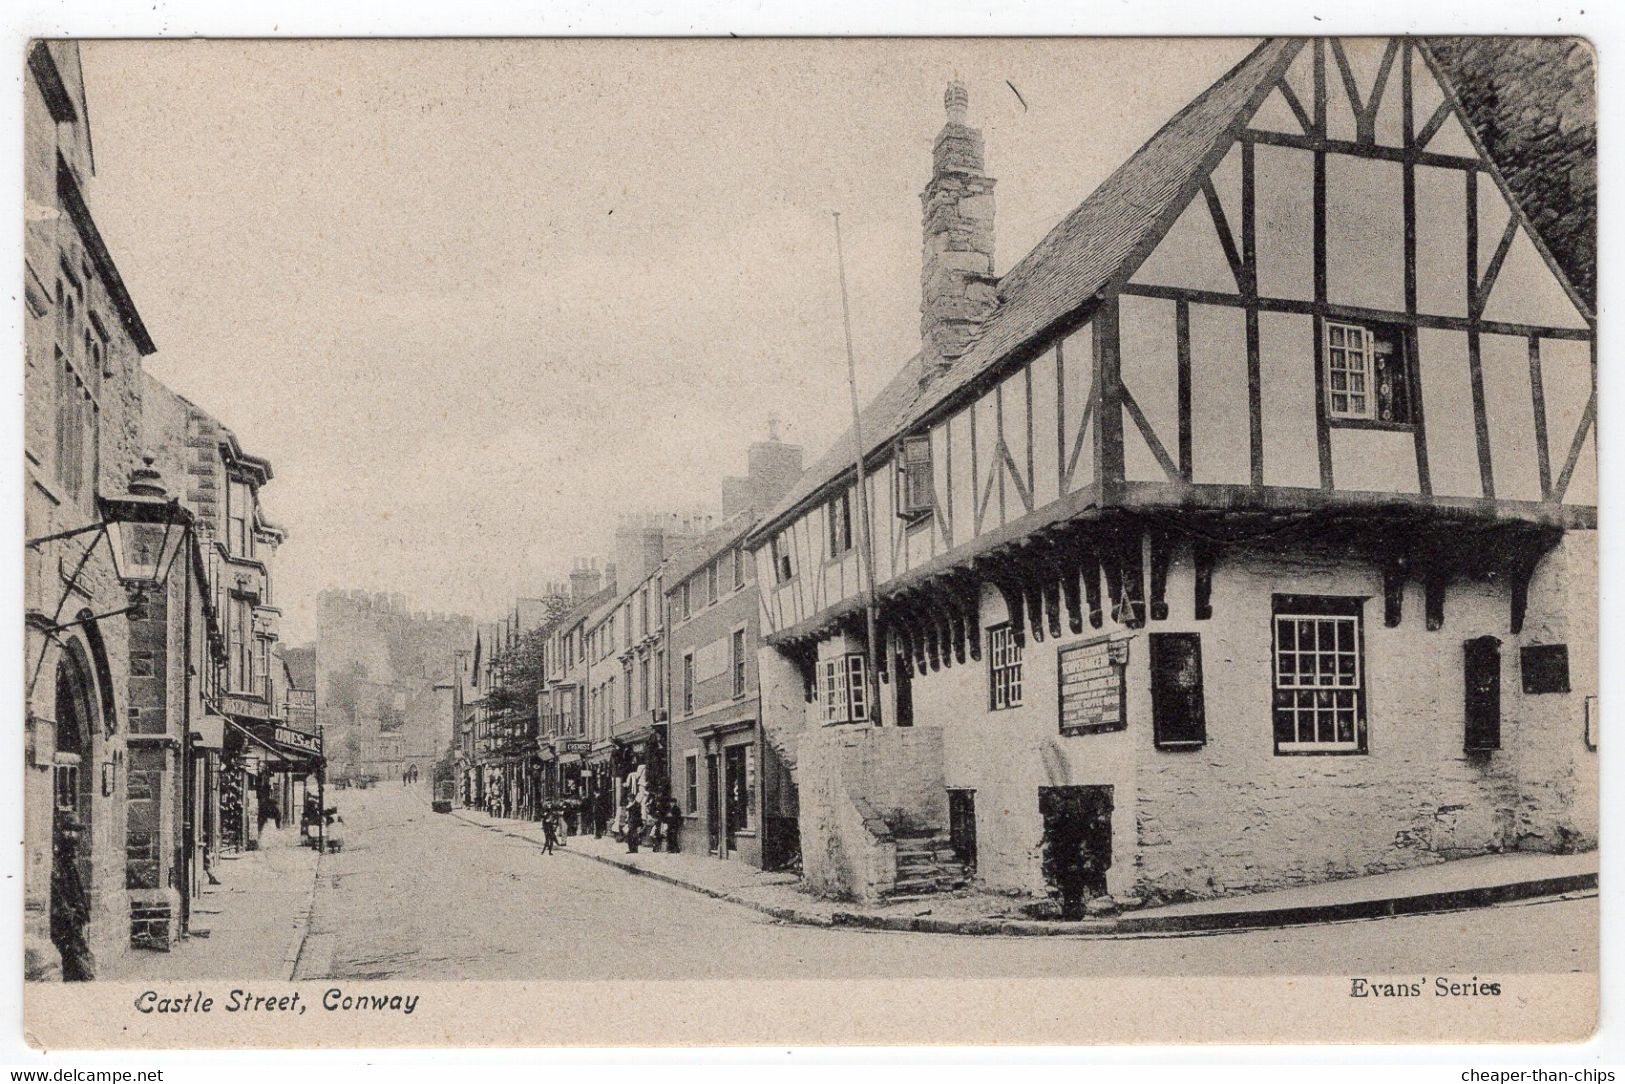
{"x":866,"y":554}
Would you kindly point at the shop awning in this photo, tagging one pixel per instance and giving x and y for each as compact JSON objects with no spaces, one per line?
{"x":209,"y":731}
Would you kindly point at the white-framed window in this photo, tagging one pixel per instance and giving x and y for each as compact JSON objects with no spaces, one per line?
{"x":1319,"y":675}
{"x":844,"y":691}
{"x":691,"y":782}
{"x":838,"y":516}
{"x":1348,"y":372}
{"x":1368,"y":373}
{"x":1003,"y":668}
{"x":914,"y":494}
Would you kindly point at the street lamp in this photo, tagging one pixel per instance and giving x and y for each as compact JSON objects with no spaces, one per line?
{"x":145,"y":531}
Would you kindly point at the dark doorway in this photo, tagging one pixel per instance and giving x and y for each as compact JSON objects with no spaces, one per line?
{"x":713,"y":803}
{"x":905,"y":692}
{"x":738,"y":808}
{"x":962,"y":827}
{"x":1077,"y":843}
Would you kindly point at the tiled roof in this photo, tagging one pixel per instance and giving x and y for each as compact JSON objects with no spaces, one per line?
{"x":1104,"y":238}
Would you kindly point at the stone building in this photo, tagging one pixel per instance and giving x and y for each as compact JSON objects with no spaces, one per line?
{"x":81,"y":443}
{"x":1247,"y":541}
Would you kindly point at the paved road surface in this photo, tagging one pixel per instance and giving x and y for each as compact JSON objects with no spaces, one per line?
{"x":428,"y":896}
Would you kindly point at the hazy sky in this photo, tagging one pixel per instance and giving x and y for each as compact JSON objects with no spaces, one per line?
{"x":476,"y":299}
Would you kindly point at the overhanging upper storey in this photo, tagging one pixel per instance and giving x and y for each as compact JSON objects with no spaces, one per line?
{"x":1310,"y":293}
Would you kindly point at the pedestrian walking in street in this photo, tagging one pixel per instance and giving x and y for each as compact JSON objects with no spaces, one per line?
{"x":550,"y":833}
{"x":70,"y":903}
{"x":674,"y":824}
{"x":634,"y":825}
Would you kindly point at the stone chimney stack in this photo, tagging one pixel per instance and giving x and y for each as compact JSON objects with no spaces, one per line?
{"x":958,"y":288}
{"x":584,"y":580}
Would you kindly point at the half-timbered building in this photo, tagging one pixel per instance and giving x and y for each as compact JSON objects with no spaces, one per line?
{"x":1241,"y":535}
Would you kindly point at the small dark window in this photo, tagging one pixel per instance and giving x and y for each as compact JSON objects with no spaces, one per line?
{"x":1546,"y":668}
{"x":1481,"y":669}
{"x":1178,"y":718}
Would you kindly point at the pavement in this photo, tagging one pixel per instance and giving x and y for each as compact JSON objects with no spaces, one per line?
{"x":424,"y":896}
{"x":1444,"y":886}
{"x":251,"y":924}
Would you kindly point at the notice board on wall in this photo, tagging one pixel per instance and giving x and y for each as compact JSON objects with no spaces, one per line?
{"x":1091,"y":686}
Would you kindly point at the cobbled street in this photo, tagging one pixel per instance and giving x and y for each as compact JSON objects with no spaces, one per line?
{"x":421,"y":895}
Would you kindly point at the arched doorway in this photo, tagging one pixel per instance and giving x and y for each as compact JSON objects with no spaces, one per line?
{"x":72,"y":792}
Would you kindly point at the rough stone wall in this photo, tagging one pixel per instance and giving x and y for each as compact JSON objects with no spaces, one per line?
{"x":1534,"y":103}
{"x":1234,"y":817}
{"x":51,"y":241}
{"x":957,"y":285}
{"x":858,"y":785}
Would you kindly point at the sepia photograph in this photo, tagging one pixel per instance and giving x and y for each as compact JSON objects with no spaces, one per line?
{"x":545,"y":542}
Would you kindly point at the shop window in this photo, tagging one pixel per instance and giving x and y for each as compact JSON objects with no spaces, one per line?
{"x":1319,"y":701}
{"x":1178,"y":715}
{"x":1545,"y":668}
{"x":1003,"y":668}
{"x":1368,"y":373}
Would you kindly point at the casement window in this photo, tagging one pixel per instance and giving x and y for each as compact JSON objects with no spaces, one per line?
{"x":838,"y":515}
{"x":784,"y":568}
{"x":713,"y":576}
{"x":914,"y":495}
{"x":1368,"y":373}
{"x":739,"y":568}
{"x":738,"y":659}
{"x":1319,"y":675}
{"x":691,"y":783}
{"x":843,"y":692}
{"x":1003,"y":668}
{"x":688,"y":684}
